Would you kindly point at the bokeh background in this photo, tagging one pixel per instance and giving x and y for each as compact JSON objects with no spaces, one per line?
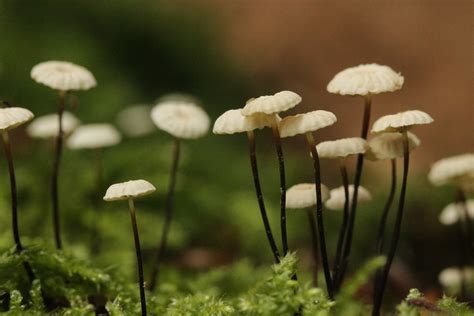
{"x":224,"y":52}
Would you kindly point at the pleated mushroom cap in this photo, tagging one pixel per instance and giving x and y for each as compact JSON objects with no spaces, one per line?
{"x":303,"y":195}
{"x":232,"y":121}
{"x":306,"y":122}
{"x":337,"y":199}
{"x":14,"y":117}
{"x":365,"y":79}
{"x":453,"y":276}
{"x":63,"y":76}
{"x":456,"y":170}
{"x":453,"y":212}
{"x":93,"y":136}
{"x":129,"y":189}
{"x":47,"y":126}
{"x":395,"y":122}
{"x":135,"y":121}
{"x":271,"y":104}
{"x":342,"y":147}
{"x":389,"y":146}
{"x":181,"y":119}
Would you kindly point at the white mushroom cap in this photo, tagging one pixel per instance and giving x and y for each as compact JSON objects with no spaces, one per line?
{"x":47,"y":126}
{"x":303,"y":195}
{"x":129,"y":189}
{"x":337,"y":199}
{"x":306,"y":122}
{"x":452,"y":277}
{"x":232,"y":121}
{"x":390,"y":146}
{"x":272,"y":104}
{"x":93,"y":136}
{"x":365,"y":79}
{"x":181,"y":119}
{"x":13,"y":117}
{"x":455,"y":211}
{"x":342,"y":147}
{"x":395,"y":122}
{"x":455,"y":169}
{"x":135,"y":120}
{"x":63,"y":76}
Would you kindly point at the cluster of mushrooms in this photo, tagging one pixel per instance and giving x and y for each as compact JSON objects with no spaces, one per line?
{"x":392,"y":140}
{"x":184,"y":119}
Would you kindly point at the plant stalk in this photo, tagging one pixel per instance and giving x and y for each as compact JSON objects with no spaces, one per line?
{"x":314,"y":245}
{"x":281,"y":164}
{"x":396,"y":229}
{"x":258,"y":191}
{"x":168,"y":216}
{"x":345,"y":220}
{"x":141,"y":282}
{"x":55,"y":174}
{"x":319,"y":215}
{"x":14,"y":201}
{"x":357,"y":179}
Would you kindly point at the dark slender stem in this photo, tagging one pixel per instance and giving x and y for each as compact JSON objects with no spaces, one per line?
{"x":396,"y":229}
{"x":258,"y":191}
{"x":319,"y":215}
{"x":136,"y":238}
{"x":55,"y":175}
{"x":357,"y":179}
{"x":168,"y":217}
{"x":345,"y":220}
{"x":383,"y":220}
{"x":314,"y":245}
{"x":14,"y":201}
{"x":281,"y":164}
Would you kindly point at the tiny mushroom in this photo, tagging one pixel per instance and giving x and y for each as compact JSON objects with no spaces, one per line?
{"x":184,"y":119}
{"x":400,"y":122}
{"x":301,"y":196}
{"x":455,"y":169}
{"x":454,"y":212}
{"x":94,"y":136}
{"x":272,"y":105}
{"x":337,"y":199}
{"x":306,"y":124}
{"x":47,"y":126}
{"x":454,"y":278}
{"x":11,"y":118}
{"x":231,"y":122}
{"x":63,"y":77}
{"x":135,"y":120}
{"x":128,"y":191}
{"x":390,"y":146}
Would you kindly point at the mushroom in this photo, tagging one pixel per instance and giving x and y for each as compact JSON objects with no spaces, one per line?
{"x":272,"y":105}
{"x":231,"y":122}
{"x":306,"y":124}
{"x":338,"y":200}
{"x":11,"y":118}
{"x":128,"y":191}
{"x":340,"y":149}
{"x":47,"y":126}
{"x":453,"y":279}
{"x":135,"y":121}
{"x":182,"y":119}
{"x":457,"y":170}
{"x":454,"y":212}
{"x":301,"y":196}
{"x":364,"y":80}
{"x":400,"y":122}
{"x":95,"y":137}
{"x":63,"y":77}
{"x":388,"y":146}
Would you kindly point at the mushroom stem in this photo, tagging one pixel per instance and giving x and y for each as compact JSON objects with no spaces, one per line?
{"x":345,"y":219}
{"x":14,"y":201}
{"x":319,"y":214}
{"x":396,"y":229}
{"x":168,"y":216}
{"x":314,"y":245}
{"x":258,"y":191}
{"x":358,"y":175}
{"x":95,"y":234}
{"x":281,"y":164}
{"x":383,"y":220}
{"x":141,"y":282}
{"x":55,"y":174}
